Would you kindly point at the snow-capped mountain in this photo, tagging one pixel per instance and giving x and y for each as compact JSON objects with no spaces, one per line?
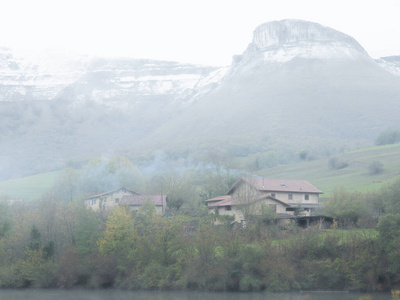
{"x":54,"y":76}
{"x":116,"y":82}
{"x":295,"y":78}
{"x":119,"y":82}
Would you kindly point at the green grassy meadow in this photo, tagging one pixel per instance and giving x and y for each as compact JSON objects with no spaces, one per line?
{"x":354,"y":177}
{"x":28,"y":188}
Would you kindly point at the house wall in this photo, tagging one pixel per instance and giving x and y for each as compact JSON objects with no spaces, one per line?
{"x":107,"y":201}
{"x":223,"y":211}
{"x":296,"y":197}
{"x":237,"y":213}
{"x":280,"y":208}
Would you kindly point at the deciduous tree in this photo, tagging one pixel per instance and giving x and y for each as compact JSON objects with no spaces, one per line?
{"x":120,"y":238}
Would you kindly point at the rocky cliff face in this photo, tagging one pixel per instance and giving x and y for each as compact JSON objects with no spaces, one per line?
{"x":297,"y":33}
{"x":282,"y":41}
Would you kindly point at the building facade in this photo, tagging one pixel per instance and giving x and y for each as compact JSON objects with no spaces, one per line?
{"x":249,"y":195}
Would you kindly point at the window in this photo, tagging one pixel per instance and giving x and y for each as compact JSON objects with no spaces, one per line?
{"x":306,"y":197}
{"x":290,"y":196}
{"x":116,"y":200}
{"x":228,"y":208}
{"x":273,"y":195}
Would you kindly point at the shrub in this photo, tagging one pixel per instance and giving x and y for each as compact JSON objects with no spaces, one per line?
{"x":389,"y":136}
{"x":375,"y":167}
{"x":249,"y":283}
{"x":336,"y":164}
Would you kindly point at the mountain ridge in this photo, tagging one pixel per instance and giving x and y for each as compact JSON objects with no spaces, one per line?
{"x":301,"y":80}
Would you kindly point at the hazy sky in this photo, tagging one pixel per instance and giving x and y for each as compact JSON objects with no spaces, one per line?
{"x":205,"y":32}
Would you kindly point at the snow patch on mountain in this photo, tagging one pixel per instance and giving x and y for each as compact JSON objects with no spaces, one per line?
{"x":58,"y":75}
{"x":208,"y":83}
{"x":39,"y":77}
{"x":159,"y":85}
{"x":391,"y":64}
{"x":305,"y":50}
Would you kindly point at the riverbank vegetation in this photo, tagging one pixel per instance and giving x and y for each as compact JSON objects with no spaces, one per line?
{"x":61,"y":244}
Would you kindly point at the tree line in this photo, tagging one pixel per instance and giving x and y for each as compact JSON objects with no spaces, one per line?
{"x":52,"y":243}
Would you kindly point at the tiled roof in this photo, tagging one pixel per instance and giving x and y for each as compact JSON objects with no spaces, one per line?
{"x":230,"y":202}
{"x":277,"y":185}
{"x":138,"y":200}
{"x":111,"y":192}
{"x":219,"y":198}
{"x":226,"y":202}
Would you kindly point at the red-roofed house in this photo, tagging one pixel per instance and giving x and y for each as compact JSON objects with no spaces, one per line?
{"x":283,"y":195}
{"x":125,"y":196}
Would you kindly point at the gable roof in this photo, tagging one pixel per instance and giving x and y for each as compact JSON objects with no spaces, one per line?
{"x":277,"y":185}
{"x":229,"y":202}
{"x":138,"y":200}
{"x":219,"y":198}
{"x":226,"y":202}
{"x":273,"y":198}
{"x":111,"y":192}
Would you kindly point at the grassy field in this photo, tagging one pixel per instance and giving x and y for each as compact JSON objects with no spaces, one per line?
{"x":28,"y":188}
{"x":355,"y":176}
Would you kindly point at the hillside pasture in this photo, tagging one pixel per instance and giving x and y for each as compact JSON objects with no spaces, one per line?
{"x":28,"y":188}
{"x":355,"y":176}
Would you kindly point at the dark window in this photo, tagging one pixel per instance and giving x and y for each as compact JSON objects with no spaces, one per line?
{"x":228,"y":208}
{"x":273,"y":195}
{"x":306,"y":197}
{"x":290,"y":196}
